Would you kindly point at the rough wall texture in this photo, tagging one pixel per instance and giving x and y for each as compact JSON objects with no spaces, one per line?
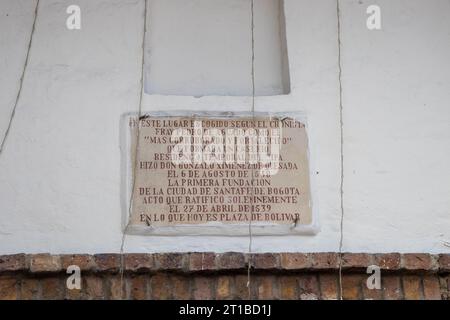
{"x":61,"y":162}
{"x":206,"y":275}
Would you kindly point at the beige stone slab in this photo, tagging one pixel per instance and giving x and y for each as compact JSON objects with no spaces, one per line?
{"x":225,"y":189}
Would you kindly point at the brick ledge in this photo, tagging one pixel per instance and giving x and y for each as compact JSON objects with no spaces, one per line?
{"x":210,"y":262}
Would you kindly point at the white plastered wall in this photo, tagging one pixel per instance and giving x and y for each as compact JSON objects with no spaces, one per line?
{"x":60,"y":169}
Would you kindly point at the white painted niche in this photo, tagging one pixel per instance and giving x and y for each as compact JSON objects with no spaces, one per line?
{"x":203,"y":47}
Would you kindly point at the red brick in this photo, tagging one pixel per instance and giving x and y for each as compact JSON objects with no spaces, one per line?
{"x":169,"y":261}
{"x":160,"y":287}
{"x":411,"y":287}
{"x":288,"y":287}
{"x":308,"y":287}
{"x":109,"y":262}
{"x":93,"y":287}
{"x":12,"y":262}
{"x":264,"y":261}
{"x":388,"y":261}
{"x":8,"y":288}
{"x":44,"y":262}
{"x":266,"y":287}
{"x":324,"y":260}
{"x":241,"y":291}
{"x":356,"y":261}
{"x":203,"y":288}
{"x":445,"y":287}
{"x":329,"y":286}
{"x":181,"y":287}
{"x":417,"y":261}
{"x":84,"y":261}
{"x":201,"y":261}
{"x":444,"y":262}
{"x":137,"y":262}
{"x":231,"y":260}
{"x":138,"y":287}
{"x":74,"y":294}
{"x":352,"y":286}
{"x":29,"y":289}
{"x":431,"y":287}
{"x":294,"y":261}
{"x":391,"y":286}
{"x":116,"y":287}
{"x":52,"y":288}
{"x":223,"y":287}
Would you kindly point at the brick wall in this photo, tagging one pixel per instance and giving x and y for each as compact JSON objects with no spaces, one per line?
{"x":224,"y":276}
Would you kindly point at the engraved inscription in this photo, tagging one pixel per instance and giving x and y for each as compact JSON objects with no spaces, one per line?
{"x":207,"y":170}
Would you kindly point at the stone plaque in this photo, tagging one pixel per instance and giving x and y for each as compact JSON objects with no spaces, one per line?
{"x":217,"y":174}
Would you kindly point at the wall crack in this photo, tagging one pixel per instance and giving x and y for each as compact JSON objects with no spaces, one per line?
{"x":341,"y":125}
{"x":19,"y":92}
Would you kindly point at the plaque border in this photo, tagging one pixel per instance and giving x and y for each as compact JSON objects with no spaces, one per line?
{"x":211,"y":228}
